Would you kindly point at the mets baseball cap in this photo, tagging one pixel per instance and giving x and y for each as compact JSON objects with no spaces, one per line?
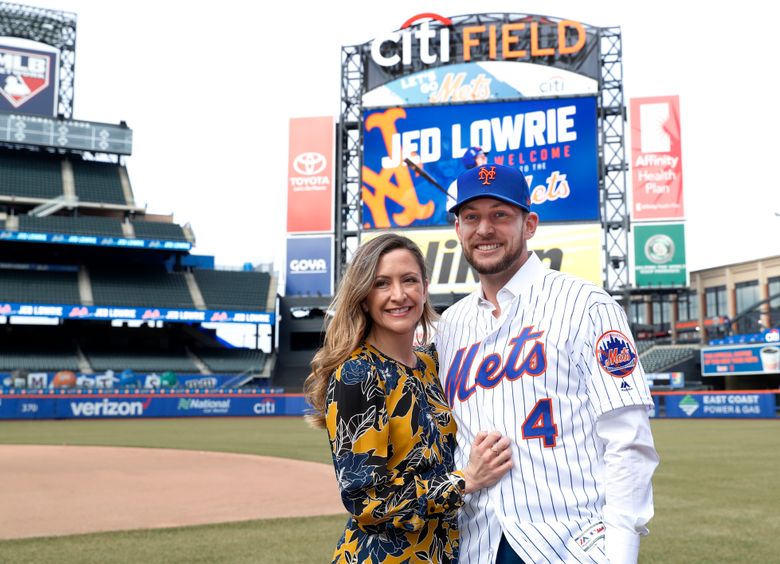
{"x":469,"y":158}
{"x":496,"y":181}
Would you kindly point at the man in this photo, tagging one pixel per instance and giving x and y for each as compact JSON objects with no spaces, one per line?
{"x":547,"y":360}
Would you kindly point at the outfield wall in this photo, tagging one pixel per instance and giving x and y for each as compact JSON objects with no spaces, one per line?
{"x":745,"y":404}
{"x":135,"y":404}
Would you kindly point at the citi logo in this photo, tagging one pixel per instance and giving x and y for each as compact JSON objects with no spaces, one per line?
{"x":309,"y":164}
{"x":308,"y":266}
{"x":403,"y":40}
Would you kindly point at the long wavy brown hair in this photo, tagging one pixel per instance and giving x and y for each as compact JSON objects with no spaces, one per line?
{"x":349,"y":325}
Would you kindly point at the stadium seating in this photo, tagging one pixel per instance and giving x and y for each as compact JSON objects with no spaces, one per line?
{"x":232,"y":360}
{"x":30,"y":176}
{"x":158,"y":230}
{"x":140,"y":286}
{"x":175,"y":359}
{"x":38,"y":286}
{"x":98,"y":182}
{"x":233,"y":290}
{"x":662,"y":358}
{"x":84,"y":225}
{"x":32,"y":358}
{"x":643,"y":346}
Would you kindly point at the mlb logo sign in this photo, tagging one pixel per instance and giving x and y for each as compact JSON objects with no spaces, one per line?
{"x":27,"y":81}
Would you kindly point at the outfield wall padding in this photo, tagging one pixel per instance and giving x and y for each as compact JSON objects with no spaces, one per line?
{"x":135,"y":405}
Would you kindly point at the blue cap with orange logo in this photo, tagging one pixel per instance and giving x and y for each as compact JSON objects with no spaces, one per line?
{"x":469,"y":158}
{"x":493,"y":181}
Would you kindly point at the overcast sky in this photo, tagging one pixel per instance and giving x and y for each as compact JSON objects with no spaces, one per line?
{"x":209,"y":88}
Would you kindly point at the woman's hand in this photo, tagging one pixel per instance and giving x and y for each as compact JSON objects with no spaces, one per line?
{"x":489,"y":459}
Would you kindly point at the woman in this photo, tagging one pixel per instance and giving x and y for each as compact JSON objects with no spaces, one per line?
{"x":390,"y":429}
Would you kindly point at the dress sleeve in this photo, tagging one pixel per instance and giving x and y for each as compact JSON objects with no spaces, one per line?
{"x":376,"y":493}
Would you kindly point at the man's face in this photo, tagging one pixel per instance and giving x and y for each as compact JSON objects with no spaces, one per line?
{"x":493,"y":235}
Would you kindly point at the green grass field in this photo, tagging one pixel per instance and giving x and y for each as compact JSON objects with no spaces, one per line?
{"x":715,"y":495}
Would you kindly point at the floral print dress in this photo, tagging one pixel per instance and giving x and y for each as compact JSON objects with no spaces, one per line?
{"x":392,"y":439}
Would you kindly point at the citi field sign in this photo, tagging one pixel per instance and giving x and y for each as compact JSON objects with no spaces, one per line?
{"x":428,"y":40}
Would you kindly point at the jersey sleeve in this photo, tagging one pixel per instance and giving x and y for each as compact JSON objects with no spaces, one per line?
{"x":378,"y":495}
{"x":611,"y":358}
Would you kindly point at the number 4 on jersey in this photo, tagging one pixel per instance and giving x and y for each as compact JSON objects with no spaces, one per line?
{"x":540,"y":423}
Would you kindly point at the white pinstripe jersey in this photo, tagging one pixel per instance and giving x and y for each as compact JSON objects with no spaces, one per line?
{"x":560,"y":355}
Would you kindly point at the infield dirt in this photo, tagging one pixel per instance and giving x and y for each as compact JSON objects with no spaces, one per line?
{"x":65,"y":490}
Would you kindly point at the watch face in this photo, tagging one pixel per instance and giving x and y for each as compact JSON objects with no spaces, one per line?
{"x":659,"y":249}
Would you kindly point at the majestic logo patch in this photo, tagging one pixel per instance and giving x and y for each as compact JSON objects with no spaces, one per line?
{"x":487,"y":176}
{"x":591,"y":535}
{"x":615,"y":354}
{"x":625,"y":386}
{"x":22,"y":75}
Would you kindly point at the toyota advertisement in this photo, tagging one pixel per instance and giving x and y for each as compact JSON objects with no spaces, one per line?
{"x":310,"y":176}
{"x":412,"y":155}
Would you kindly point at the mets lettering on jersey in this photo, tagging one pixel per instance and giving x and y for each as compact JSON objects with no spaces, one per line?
{"x":542,"y":373}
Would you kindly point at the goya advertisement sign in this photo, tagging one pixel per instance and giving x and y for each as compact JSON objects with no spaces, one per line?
{"x":660,"y":255}
{"x":309,"y":266}
{"x":553,"y":142}
{"x":574,"y":249}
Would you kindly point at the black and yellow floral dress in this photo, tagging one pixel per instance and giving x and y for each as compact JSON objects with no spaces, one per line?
{"x":392,"y":439}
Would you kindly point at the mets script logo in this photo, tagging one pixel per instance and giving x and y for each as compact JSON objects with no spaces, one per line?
{"x":309,"y":164}
{"x":487,"y":176}
{"x":615,"y":354}
{"x":526,"y":357}
{"x":22,"y":75}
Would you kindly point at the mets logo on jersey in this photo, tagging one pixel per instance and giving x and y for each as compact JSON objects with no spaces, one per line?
{"x":22,"y":75}
{"x":616,"y":354}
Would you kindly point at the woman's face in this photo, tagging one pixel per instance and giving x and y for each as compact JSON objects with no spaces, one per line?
{"x":395,"y":302}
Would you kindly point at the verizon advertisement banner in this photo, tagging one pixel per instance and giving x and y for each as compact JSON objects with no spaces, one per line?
{"x":310,"y":175}
{"x":551,"y":141}
{"x":574,"y":249}
{"x":28,"y":81}
{"x":656,"y":158}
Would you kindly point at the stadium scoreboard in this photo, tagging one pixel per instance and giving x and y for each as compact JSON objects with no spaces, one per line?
{"x":66,"y":134}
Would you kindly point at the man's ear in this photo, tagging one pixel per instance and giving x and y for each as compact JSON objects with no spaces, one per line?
{"x":530,"y":224}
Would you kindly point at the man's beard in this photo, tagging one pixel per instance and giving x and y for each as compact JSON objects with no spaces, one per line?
{"x":496,"y":268}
